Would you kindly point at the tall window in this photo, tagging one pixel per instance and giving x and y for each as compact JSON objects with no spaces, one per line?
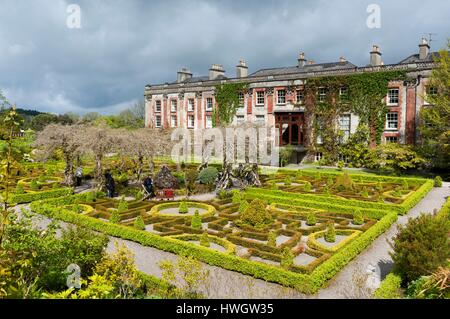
{"x":190,"y":105}
{"x":158,"y":106}
{"x":281,"y":97}
{"x":344,"y":125}
{"x":191,"y":121}
{"x":173,"y":105}
{"x":260,"y":98}
{"x":208,"y":121}
{"x":432,"y":90}
{"x":392,"y":121}
{"x":343,"y":93}
{"x":173,"y":121}
{"x":300,"y":97}
{"x":393,"y":96}
{"x":158,"y":121}
{"x":322,"y":94}
{"x":241,"y":99}
{"x":318,"y":156}
{"x":209,"y":104}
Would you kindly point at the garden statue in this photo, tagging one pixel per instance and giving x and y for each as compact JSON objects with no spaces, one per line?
{"x":243,"y":176}
{"x":164,"y":179}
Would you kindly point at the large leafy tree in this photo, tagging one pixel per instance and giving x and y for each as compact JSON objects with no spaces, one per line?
{"x":435,"y":119}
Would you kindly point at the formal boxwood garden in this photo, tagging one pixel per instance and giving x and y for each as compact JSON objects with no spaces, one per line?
{"x":273,"y":233}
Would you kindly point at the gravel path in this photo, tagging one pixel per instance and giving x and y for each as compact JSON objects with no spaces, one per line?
{"x":223,"y":283}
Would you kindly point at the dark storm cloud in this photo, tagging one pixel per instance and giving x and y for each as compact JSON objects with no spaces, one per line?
{"x":124,"y":45}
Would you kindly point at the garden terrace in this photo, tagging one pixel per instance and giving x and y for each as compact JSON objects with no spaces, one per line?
{"x":287,"y":250}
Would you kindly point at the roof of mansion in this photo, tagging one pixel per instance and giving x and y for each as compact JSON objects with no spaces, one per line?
{"x":412,"y":63}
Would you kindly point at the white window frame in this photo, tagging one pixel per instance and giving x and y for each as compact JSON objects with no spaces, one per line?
{"x":300,"y":96}
{"x":281,"y":98}
{"x":173,"y":106}
{"x":388,"y":121}
{"x":210,"y":121}
{"x":156,"y":121}
{"x":346,"y":129}
{"x":391,"y":96}
{"x":260,"y":118}
{"x":322,"y":94}
{"x":191,"y":106}
{"x":172,"y":117}
{"x":209,"y":106}
{"x":259,"y":96}
{"x":191,"y":121}
{"x":318,"y":156}
{"x":388,"y":141}
{"x":241,"y":99}
{"x":240,"y":119}
{"x":158,"y":109}
{"x":343,"y":93}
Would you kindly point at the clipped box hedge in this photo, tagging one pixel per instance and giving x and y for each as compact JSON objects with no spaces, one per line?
{"x":36,"y":196}
{"x":306,"y":283}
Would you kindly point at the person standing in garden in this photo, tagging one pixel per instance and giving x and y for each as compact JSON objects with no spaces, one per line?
{"x":110,"y":185}
{"x":79,"y":175}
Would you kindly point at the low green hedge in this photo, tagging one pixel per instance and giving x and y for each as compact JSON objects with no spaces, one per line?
{"x":389,"y":288}
{"x":295,"y":201}
{"x":336,"y":262}
{"x":31,"y":197}
{"x":371,"y":209}
{"x":305,"y":283}
{"x":445,"y":210}
{"x":209,"y":209}
{"x":313,"y":243}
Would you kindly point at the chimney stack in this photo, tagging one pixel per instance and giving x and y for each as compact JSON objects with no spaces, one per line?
{"x":424,"y":49}
{"x":301,"y":60}
{"x":183,"y":75}
{"x":375,"y":56}
{"x":311,"y":62}
{"x":242,"y":69}
{"x":215,"y":71}
{"x":342,"y":59}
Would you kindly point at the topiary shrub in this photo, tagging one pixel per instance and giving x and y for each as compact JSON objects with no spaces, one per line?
{"x":115,"y":217}
{"x":307,"y":187}
{"x":243,"y":206}
{"x":196,"y":221}
{"x":256,"y":214}
{"x":223,"y":194}
{"x":183,"y":208}
{"x":358,"y":218}
{"x":438,"y":181}
{"x":287,"y":258}
{"x":34,"y":185}
{"x":330,"y":233}
{"x":20,"y":189}
{"x":365,"y":192}
{"x":344,"y":182}
{"x":90,"y":197}
{"x":330,"y":181}
{"x":123,"y":206}
{"x":288,"y":181}
{"x":272,"y":239}
{"x":139,"y":223}
{"x":311,"y":219}
{"x":405,"y":185}
{"x":420,"y":247}
{"x":208,"y":176}
{"x":236,"y":196}
{"x":204,"y":240}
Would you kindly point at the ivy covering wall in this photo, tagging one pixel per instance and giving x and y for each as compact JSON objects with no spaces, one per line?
{"x":362,"y":95}
{"x":227,"y":101}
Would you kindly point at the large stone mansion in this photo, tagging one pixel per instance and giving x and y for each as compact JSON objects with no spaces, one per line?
{"x":272,"y":93}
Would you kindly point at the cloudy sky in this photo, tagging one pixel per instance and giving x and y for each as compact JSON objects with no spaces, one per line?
{"x":124,"y":44}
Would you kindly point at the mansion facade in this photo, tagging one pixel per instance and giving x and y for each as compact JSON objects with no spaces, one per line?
{"x":275,"y":96}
